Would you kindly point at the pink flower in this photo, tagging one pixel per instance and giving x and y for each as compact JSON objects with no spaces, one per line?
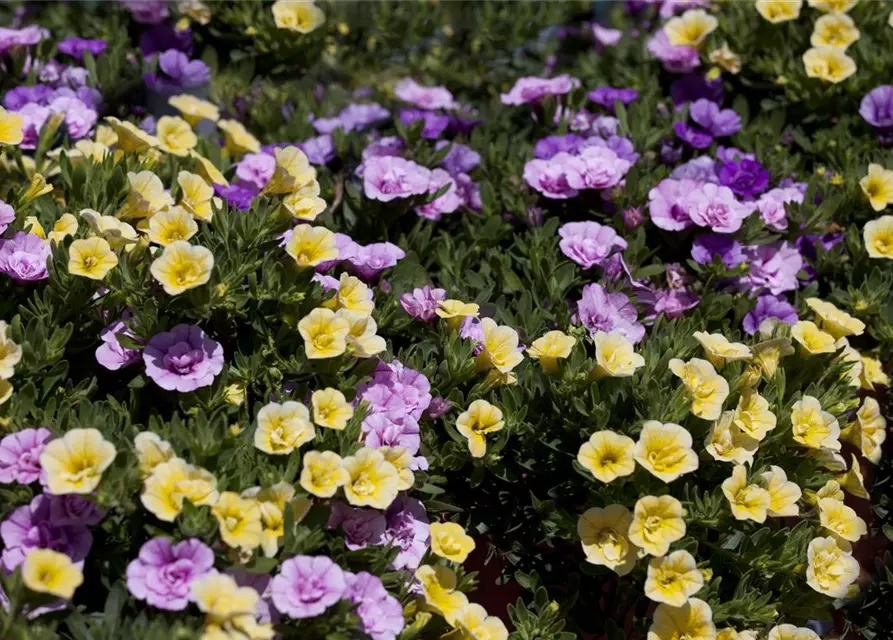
{"x":387,"y":178}
{"x":677,"y":59}
{"x":446,"y":203}
{"x":111,"y":354}
{"x":552,"y":177}
{"x":7,"y":216}
{"x":532,"y":89}
{"x":666,"y":205}
{"x":256,"y":169}
{"x":604,"y":36}
{"x":381,"y":614}
{"x":421,"y":303}
{"x":589,"y":243}
{"x":374,"y":258}
{"x":24,"y":257}
{"x":773,"y":267}
{"x":716,"y":207}
{"x":307,"y":585}
{"x":163,"y":571}
{"x":771,"y":206}
{"x":34,"y":116}
{"x":596,"y":168}
{"x":79,"y":118}
{"x":424,"y":97}
{"x":20,"y":455}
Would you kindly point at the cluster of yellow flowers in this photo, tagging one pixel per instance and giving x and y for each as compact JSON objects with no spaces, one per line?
{"x":878,"y":234}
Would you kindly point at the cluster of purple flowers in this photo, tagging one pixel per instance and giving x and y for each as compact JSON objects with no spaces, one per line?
{"x":564,"y":175}
{"x":354,"y":117}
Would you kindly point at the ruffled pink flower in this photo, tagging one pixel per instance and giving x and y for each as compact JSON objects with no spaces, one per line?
{"x":589,"y":243}
{"x":446,"y":203}
{"x":79,"y":118}
{"x":307,"y":585}
{"x":387,"y":178}
{"x":20,"y":455}
{"x":666,"y":204}
{"x":532,"y":89}
{"x":24,"y":257}
{"x":7,"y":216}
{"x":596,"y":168}
{"x":256,"y":169}
{"x":553,"y":177}
{"x":163,"y":571}
{"x":771,"y":206}
{"x":716,"y":207}
{"x":183,"y":359}
{"x":372,"y":259}
{"x":424,"y":97}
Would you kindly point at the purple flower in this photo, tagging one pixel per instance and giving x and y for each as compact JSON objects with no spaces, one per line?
{"x":397,"y":391}
{"x":73,"y":509}
{"x":7,"y":216}
{"x":24,"y":257}
{"x":598,"y":310}
{"x":550,"y":146}
{"x":632,"y":217}
{"x":459,"y":159}
{"x":468,"y":191}
{"x":387,"y":146}
{"x":183,"y":359}
{"x":20,"y":455}
{"x":769,"y":307}
{"x":147,"y":11}
{"x":421,"y":303}
{"x":34,"y":116}
{"x":710,"y":122}
{"x":354,"y":117}
{"x":255,"y":169}
{"x":111,"y":354}
{"x":362,"y":527}
{"x":676,"y":59}
{"x":596,"y":168}
{"x":177,"y":72}
{"x":694,"y":86}
{"x":381,"y":614}
{"x":725,"y":155}
{"x":604,"y":36}
{"x":32,"y":527}
{"x":434,"y":123}
{"x":607,"y":96}
{"x":346,"y":249}
{"x":237,"y":196}
{"x":438,"y":407}
{"x":163,"y":571}
{"x":319,"y":150}
{"x":589,"y":243}
{"x":79,"y":118}
{"x":408,"y":530}
{"x":532,"y":89}
{"x":773,"y":267}
{"x":164,"y":36}
{"x":18,"y":97}
{"x":877,"y":107}
{"x":673,"y":302}
{"x":424,"y":97}
{"x":666,"y":204}
{"x":449,"y":202}
{"x":387,"y":178}
{"x":381,"y":431}
{"x":746,"y":178}
{"x":771,"y":206}
{"x":622,"y":147}
{"x":552,"y":177}
{"x":12,"y":38}
{"x":708,"y":246}
{"x":371,"y":260}
{"x":307,"y":585}
{"x":700,"y":169}
{"x":76,"y":47}
{"x":716,"y":207}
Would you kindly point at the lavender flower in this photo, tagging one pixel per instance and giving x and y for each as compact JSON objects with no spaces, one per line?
{"x":607,"y":96}
{"x":147,"y":11}
{"x":11,"y":39}
{"x":163,"y":36}
{"x":604,"y":36}
{"x":876,"y":107}
{"x":254,"y":170}
{"x":32,"y":527}
{"x":424,"y":97}
{"x":746,"y":178}
{"x":434,"y":123}
{"x":589,"y":243}
{"x":354,"y":117}
{"x":361,"y":527}
{"x":7,"y":216}
{"x":177,"y":72}
{"x":307,"y":585}
{"x":74,"y":509}
{"x":408,"y":392}
{"x":715,"y":207}
{"x":771,"y":206}
{"x":550,"y":146}
{"x":20,"y":455}
{"x":381,"y":614}
{"x":369,"y":261}
{"x":666,"y":204}
{"x":24,"y":257}
{"x":381,"y":431}
{"x":598,"y":310}
{"x":79,"y":118}
{"x":708,"y":246}
{"x":111,"y":354}
{"x":532,"y":89}
{"x":700,"y":169}
{"x":183,"y":359}
{"x":676,"y":59}
{"x":459,"y":159}
{"x":552,"y":177}
{"x":408,"y":530}
{"x":18,"y":97}
{"x":449,"y":202}
{"x":769,"y":306}
{"x":34,"y":116}
{"x":710,"y":122}
{"x":237,"y":196}
{"x":773,"y":267}
{"x":319,"y":150}
{"x":77,"y":47}
{"x":163,"y":571}
{"x":387,"y":178}
{"x":421,"y":303}
{"x":672,"y":302}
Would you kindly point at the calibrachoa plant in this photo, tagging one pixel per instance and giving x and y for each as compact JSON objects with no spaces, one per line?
{"x":450,"y":320}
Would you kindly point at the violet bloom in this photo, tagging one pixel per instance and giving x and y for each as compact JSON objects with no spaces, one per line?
{"x":472,"y":329}
{"x":20,"y":455}
{"x":18,"y":97}
{"x":667,"y":206}
{"x":604,"y":36}
{"x":177,"y":72}
{"x":237,"y":196}
{"x":596,"y":168}
{"x":163,"y":571}
{"x":700,"y":169}
{"x":746,"y":178}
{"x":717,"y":208}
{"x":710,"y":122}
{"x":386,"y":146}
{"x":79,"y":118}
{"x":434,"y":123}
{"x":408,"y":530}
{"x":354,"y":117}
{"x":77,"y":47}
{"x":674,"y":58}
{"x":256,"y":169}
{"x":319,"y":150}
{"x":552,"y":177}
{"x":725,"y":155}
{"x":771,"y":206}
{"x":389,"y":177}
{"x":550,"y":146}
{"x":307,"y":585}
{"x":74,"y":509}
{"x":396,"y":390}
{"x":694,"y":86}
{"x":7,"y":216}
{"x":438,"y":407}
{"x":24,"y":257}
{"x":607,"y":96}
{"x":877,"y":107}
{"x":589,"y":243}
{"x":11,"y":39}
{"x":163,"y":37}
{"x":768,"y":306}
{"x":34,"y":116}
{"x":773,"y":267}
{"x":449,"y":202}
{"x":459,"y":159}
{"x":371,"y":260}
{"x":183,"y":359}
{"x":622,"y":147}
{"x":709,"y":246}
{"x":672,"y":303}
{"x":531,"y":89}
{"x":380,"y":613}
{"x":147,"y":11}
{"x":361,"y":527}
{"x":421,"y":303}
{"x":598,"y":310}
{"x":380,"y":431}
{"x":632,"y":217}
{"x":32,"y":527}
{"x":111,"y":354}
{"x":469,"y":191}
{"x":424,"y":97}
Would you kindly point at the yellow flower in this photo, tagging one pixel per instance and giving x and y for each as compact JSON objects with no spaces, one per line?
{"x":151,"y":451}
{"x":783,"y":494}
{"x":850,"y":356}
{"x":833,"y":6}
{"x":91,"y":258}
{"x":323,"y":473}
{"x":829,"y":64}
{"x":790,"y":632}
{"x":5,"y":391}
{"x":362,"y":340}
{"x":615,"y":356}
{"x":301,"y":16}
{"x":310,"y":246}
{"x":832,"y":567}
{"x":834,"y":30}
{"x":748,"y":501}
{"x":272,"y":503}
{"x":604,"y":534}
{"x":402,"y":461}
{"x":373,"y":481}
{"x":293,"y":171}
{"x":11,"y":127}
{"x":146,"y":196}
{"x":731,"y":634}
{"x":673,"y":579}
{"x":438,"y":584}
{"x":719,"y":350}
{"x":10,"y":353}
{"x":196,"y":195}
{"x":330,"y":408}
{"x":841,"y":520}
{"x":175,"y":136}
{"x":182,"y":266}
{"x":499,"y":349}
{"x":608,"y":455}
{"x":726,"y":58}
{"x":171,"y":225}
{"x":304,"y":207}
{"x":767,"y":354}
{"x":172,"y":482}
{"x":727,"y":443}
{"x":813,"y":427}
{"x":193,"y":109}
{"x":130,"y":138}
{"x":872,"y":373}
{"x":218,"y":596}
{"x":812,"y":340}
{"x":239,"y":520}
{"x":353,"y":295}
{"x":119,"y":235}
{"x":74,"y":463}
{"x":237,"y":138}
{"x":36,"y":188}
{"x":455,"y":311}
{"x":474,"y":423}
{"x":878,"y":186}
{"x":105,"y":135}
{"x":691,"y":621}
{"x":473,"y":623}
{"x":776,"y":11}
{"x":869,"y":431}
{"x":753,"y":417}
{"x":282,"y":428}
{"x":449,"y":540}
{"x":878,"y":237}
{"x":65,"y":226}
{"x":691,"y":28}
{"x":830,"y":489}
{"x":708,"y":389}
{"x":552,"y":347}
{"x":207,"y":170}
{"x":665,"y":450}
{"x":657,"y":523}
{"x":48,"y":571}
{"x":852,"y":481}
{"x":324,"y":333}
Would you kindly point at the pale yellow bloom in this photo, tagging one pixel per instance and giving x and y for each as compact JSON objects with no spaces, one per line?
{"x":174,"y":481}
{"x":221,"y":599}
{"x":841,"y":520}
{"x":206,"y":169}
{"x":673,"y":579}
{"x":473,"y":623}
{"x":151,"y":451}
{"x":118,"y":234}
{"x":872,"y":373}
{"x":836,"y":322}
{"x":790,"y":632}
{"x":330,"y":408}
{"x":171,"y":225}
{"x":726,"y":58}
{"x":175,"y":136}
{"x":834,"y":30}
{"x":813,"y":427}
{"x":604,"y":534}
{"x":146,"y":196}
{"x":832,"y":567}
{"x":812,"y":340}
{"x":237,"y":139}
{"x":878,"y":237}
{"x":48,"y":571}
{"x":293,"y":171}
{"x":753,"y":416}
{"x":550,"y":348}
{"x":608,"y":455}
{"x":499,"y":349}
{"x":783,"y":494}
{"x":768,"y":354}
{"x":868,"y":431}
{"x":691,"y":28}
{"x":829,"y":64}
{"x":91,"y":258}
{"x":300,"y":16}
{"x":282,"y":428}
{"x":727,"y":443}
{"x":193,"y":109}
{"x":323,"y":473}
{"x":5,"y":391}
{"x":438,"y":584}
{"x":474,"y":423}
{"x":708,"y":389}
{"x":665,"y":450}
{"x":310,"y":246}
{"x":850,"y":356}
{"x":11,"y":125}
{"x":130,"y":138}
{"x":731,"y":634}
{"x":10,"y":353}
{"x":657,"y":523}
{"x":691,"y":621}
{"x":304,"y":207}
{"x":325,"y":334}
{"x":353,"y":294}
{"x":182,"y":266}
{"x":830,"y":489}
{"x":615,"y":356}
{"x":878,"y":186}
{"x":455,"y":311}
{"x":402,"y":460}
{"x":373,"y":481}
{"x":65,"y":226}
{"x":196,"y":195}
{"x":75,"y":462}
{"x":449,"y":540}
{"x":362,"y":340}
{"x":106,"y":135}
{"x":36,"y":188}
{"x":719,"y":350}
{"x":833,"y":6}
{"x":776,"y":11}
{"x":852,"y":481}
{"x":747,"y":501}
{"x":239,"y":520}
{"x":273,"y":501}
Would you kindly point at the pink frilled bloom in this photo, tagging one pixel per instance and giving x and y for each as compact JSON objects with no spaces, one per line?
{"x":388,"y":178}
{"x":716,"y":207}
{"x":589,"y":243}
{"x":446,"y":203}
{"x":381,"y":614}
{"x":307,"y":585}
{"x":163,"y":571}
{"x":532,"y":89}
{"x":771,"y":206}
{"x":421,"y":303}
{"x":381,"y":431}
{"x":666,"y":205}
{"x":79,"y":118}
{"x":773,"y":268}
{"x":256,"y":169}
{"x":552,"y":177}
{"x":20,"y":455}
{"x":24,"y":257}
{"x":604,"y":36}
{"x":111,"y":354}
{"x":677,"y":59}
{"x":596,"y":168}
{"x":34,"y":116}
{"x":147,"y":11}
{"x":424,"y":97}
{"x":372,"y":259}
{"x":183,"y":359}
{"x":25,"y":37}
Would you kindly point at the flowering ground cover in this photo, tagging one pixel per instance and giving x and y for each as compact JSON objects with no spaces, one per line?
{"x":463,"y":320}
